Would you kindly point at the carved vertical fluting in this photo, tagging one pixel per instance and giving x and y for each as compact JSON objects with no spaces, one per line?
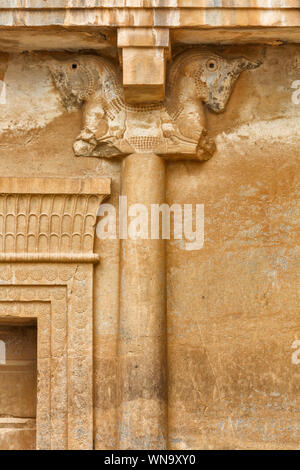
{"x":142,"y":348}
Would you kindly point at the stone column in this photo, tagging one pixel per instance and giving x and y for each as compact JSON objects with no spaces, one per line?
{"x":142,"y":347}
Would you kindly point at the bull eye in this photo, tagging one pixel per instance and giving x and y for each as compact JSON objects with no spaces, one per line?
{"x":74,"y":66}
{"x":212,"y":65}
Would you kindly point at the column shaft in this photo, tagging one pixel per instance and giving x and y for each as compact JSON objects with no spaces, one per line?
{"x":142,"y":346}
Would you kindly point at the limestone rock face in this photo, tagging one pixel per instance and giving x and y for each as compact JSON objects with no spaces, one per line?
{"x":121,"y":343}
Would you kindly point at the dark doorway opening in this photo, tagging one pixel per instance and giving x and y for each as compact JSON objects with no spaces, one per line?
{"x":18,"y":384}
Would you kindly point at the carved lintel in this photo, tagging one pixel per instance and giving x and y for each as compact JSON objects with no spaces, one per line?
{"x":49,"y":219}
{"x":197,"y":79}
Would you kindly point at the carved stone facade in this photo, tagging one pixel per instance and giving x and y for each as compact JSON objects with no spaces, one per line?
{"x":46,"y":219}
{"x":122,"y":343}
{"x":46,"y":274}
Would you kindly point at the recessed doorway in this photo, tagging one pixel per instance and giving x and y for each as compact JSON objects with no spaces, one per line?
{"x":18,"y":385}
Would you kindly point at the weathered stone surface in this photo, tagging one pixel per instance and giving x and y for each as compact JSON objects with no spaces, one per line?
{"x":174,"y":128}
{"x":119,"y":342}
{"x":231,"y":330}
{"x":50,"y":220}
{"x":142,"y":330}
{"x":150,"y":14}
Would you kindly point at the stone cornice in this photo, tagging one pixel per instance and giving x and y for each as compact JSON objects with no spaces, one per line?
{"x":177,"y":17}
{"x":144,"y":31}
{"x":149,"y":13}
{"x":90,"y":4}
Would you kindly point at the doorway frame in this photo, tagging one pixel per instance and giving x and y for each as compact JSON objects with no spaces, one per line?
{"x":60,"y":298}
